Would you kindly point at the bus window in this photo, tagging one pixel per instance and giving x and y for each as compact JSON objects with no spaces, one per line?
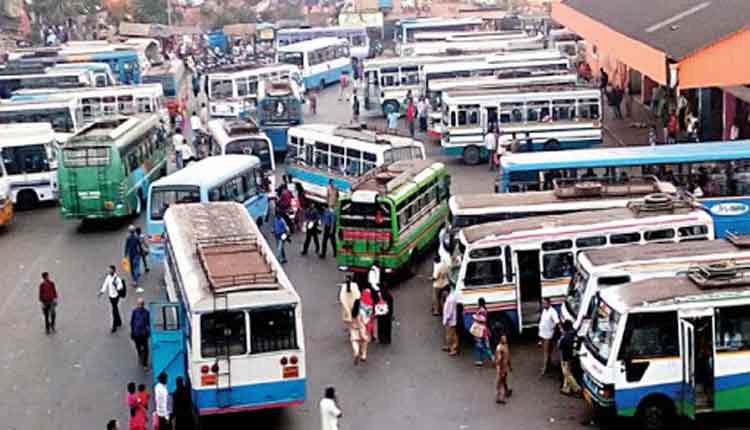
{"x":487,"y":272}
{"x":588,"y":108}
{"x":234,"y":190}
{"x":321,"y":155}
{"x":272,"y":330}
{"x":294,"y":58}
{"x":25,"y":159}
{"x":242,"y":87}
{"x":353,"y":162}
{"x":125,"y":105}
{"x":221,"y":89}
{"x":650,"y":335}
{"x":732,"y":328}
{"x":223,"y":333}
{"x":296,"y":147}
{"x":695,"y":231}
{"x":337,"y":158}
{"x":369,"y":161}
{"x":623,"y":238}
{"x":162,"y":199}
{"x":109,"y":105}
{"x":563,"y":110}
{"x":389,"y":77}
{"x":143,"y":105}
{"x":656,"y":235}
{"x":588,"y":242}
{"x":410,"y":75}
{"x":557,"y":245}
{"x":557,"y":265}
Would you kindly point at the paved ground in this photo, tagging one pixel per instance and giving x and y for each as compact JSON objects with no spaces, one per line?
{"x":75,"y":379}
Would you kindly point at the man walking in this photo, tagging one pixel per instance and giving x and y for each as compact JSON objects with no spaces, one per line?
{"x":48,"y":299}
{"x":329,"y":410}
{"x":450,"y":319}
{"x":280,"y":233}
{"x":332,"y":194}
{"x":134,"y":253}
{"x":329,"y":230}
{"x":422,"y":114}
{"x":503,"y":367}
{"x":312,"y":229}
{"x":490,"y":144}
{"x":112,"y":286}
{"x":411,"y":113}
{"x":140,"y":331}
{"x":603,"y":80}
{"x":547,"y":323}
{"x":567,"y":344}
{"x":161,"y":400}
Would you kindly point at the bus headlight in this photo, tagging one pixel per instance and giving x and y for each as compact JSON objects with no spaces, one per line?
{"x":109,"y":205}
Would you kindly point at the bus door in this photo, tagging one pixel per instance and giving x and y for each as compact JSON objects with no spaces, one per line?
{"x":697,"y":355}
{"x":167,"y":342}
{"x":529,"y":286}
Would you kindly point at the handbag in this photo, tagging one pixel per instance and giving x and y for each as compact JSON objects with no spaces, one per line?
{"x":381,"y":308}
{"x":476,"y":329}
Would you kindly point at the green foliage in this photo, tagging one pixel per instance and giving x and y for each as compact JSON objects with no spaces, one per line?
{"x":153,"y":12}
{"x":228,"y":15}
{"x":57,"y":11}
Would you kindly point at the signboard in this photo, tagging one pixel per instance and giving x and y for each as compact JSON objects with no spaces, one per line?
{"x":730,"y":209}
{"x":361,"y":19}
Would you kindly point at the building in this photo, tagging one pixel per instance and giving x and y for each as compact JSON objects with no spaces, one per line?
{"x":695,"y":49}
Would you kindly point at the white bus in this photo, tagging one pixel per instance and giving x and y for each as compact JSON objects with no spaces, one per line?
{"x":359,"y":40}
{"x":408,"y":28}
{"x":476,"y":45}
{"x":602,"y":268}
{"x":73,"y":78}
{"x":235,"y":94}
{"x":322,"y":152}
{"x":438,"y":36}
{"x":65,"y":116}
{"x":242,"y":137}
{"x":321,"y":61}
{"x":665,"y":349}
{"x":549,"y":119}
{"x":28,"y":154}
{"x":232,"y":326}
{"x":514,"y":265}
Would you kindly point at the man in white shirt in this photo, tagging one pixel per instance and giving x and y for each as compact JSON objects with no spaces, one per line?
{"x":547,"y":323}
{"x":178,"y":143}
{"x":112,"y":286}
{"x":161,"y":400}
{"x":329,"y":411}
{"x":373,"y":277}
{"x":490,"y":143}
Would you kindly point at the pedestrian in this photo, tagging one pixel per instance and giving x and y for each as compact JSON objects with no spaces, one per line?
{"x":144,"y":397}
{"x":440,"y":270}
{"x":384,"y":312}
{"x":182,"y":406}
{"x":313,"y":98}
{"x":112,"y":425}
{"x":367,"y":312}
{"x":672,"y":127}
{"x":422,"y":114}
{"x":344,"y":87}
{"x":481,"y":335}
{"x":358,"y":334}
{"x":547,"y":324}
{"x":392,"y":120}
{"x":567,"y":346}
{"x":312,"y":229}
{"x":48,"y":299}
{"x":134,"y":254}
{"x":603,"y":80}
{"x":503,"y":367}
{"x":348,"y":294}
{"x":302,"y":206}
{"x":329,"y":232}
{"x":137,"y":418}
{"x":114,"y":286}
{"x":281,"y":234}
{"x":355,"y":107}
{"x":161,"y":400}
{"x":140,"y":331}
{"x":329,"y":410}
{"x":617,"y":96}
{"x":332,"y":194}
{"x":373,"y":276}
{"x":490,"y":143}
{"x":652,"y":136}
{"x":450,"y":320}
{"x":196,"y":85}
{"x":178,"y":142}
{"x":411,"y":113}
{"x":284,"y":203}
{"x":144,"y":248}
{"x":204,"y":113}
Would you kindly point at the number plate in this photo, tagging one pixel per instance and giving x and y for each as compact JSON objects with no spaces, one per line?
{"x":290,"y":372}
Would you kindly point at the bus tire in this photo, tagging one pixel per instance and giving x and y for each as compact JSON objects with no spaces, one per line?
{"x":26,"y":199}
{"x":552,"y":145}
{"x":656,"y":413}
{"x":472,"y":156}
{"x":390,"y":106}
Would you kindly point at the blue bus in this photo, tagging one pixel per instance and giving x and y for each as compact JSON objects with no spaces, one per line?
{"x":716,"y":173}
{"x":359,"y":41}
{"x":238,"y":178}
{"x":321,"y":61}
{"x":279,"y":107}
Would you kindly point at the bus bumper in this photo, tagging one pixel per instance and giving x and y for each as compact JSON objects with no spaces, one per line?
{"x":251,"y":397}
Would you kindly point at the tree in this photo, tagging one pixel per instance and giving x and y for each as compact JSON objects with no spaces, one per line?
{"x":153,"y":12}
{"x":57,"y":11}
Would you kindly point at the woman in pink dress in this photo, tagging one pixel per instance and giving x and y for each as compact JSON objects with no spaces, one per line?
{"x":137,"y":409}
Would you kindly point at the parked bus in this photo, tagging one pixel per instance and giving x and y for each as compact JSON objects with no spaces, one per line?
{"x":235,"y":94}
{"x":238,"y":178}
{"x":321,"y":61}
{"x":65,"y":116}
{"x":57,"y":79}
{"x":232,"y":327}
{"x":123,"y":61}
{"x":359,"y":41}
{"x":319,"y":153}
{"x":539,"y":118}
{"x":717,"y":173}
{"x":108,"y":166}
{"x":175,"y":82}
{"x":6,"y":202}
{"x":476,"y":45}
{"x":665,"y":349}
{"x":279,"y":107}
{"x":28,"y":154}
{"x":407,"y":28}
{"x":392,"y":217}
{"x":241,"y":137}
{"x":98,"y":103}
{"x":442,"y":36}
{"x":514,"y":265}
{"x":603,"y":268}
{"x":103,"y":76}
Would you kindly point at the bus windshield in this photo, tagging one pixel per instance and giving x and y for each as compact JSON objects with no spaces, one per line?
{"x":167,"y":83}
{"x":257,"y":147}
{"x":86,"y":157}
{"x":601,"y":335}
{"x":25,"y":159}
{"x":162,"y":198}
{"x":291,"y":58}
{"x":575,"y":291}
{"x":60,"y":118}
{"x":365,"y":215}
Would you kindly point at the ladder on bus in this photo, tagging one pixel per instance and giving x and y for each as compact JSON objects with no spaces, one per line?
{"x":75,"y":204}
{"x":223,"y":358}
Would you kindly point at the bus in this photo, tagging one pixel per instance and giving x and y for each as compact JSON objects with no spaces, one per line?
{"x":28,"y":155}
{"x":603,"y":268}
{"x":319,"y":153}
{"x":65,"y":116}
{"x":321,"y":61}
{"x":57,"y":79}
{"x":505,"y":79}
{"x":238,"y":178}
{"x":241,"y":137}
{"x":392,"y":217}
{"x":408,"y":28}
{"x":442,"y":36}
{"x":547,"y":118}
{"x":666,"y":349}
{"x":107,"y":167}
{"x":97,"y":103}
{"x":175,"y":82}
{"x":103,"y":76}
{"x":359,"y":41}
{"x":514,"y":265}
{"x":231,"y":325}
{"x":235,"y":94}
{"x":279,"y":107}
{"x":717,"y":173}
{"x":123,"y":61}
{"x":476,"y":45}
{"x":6,"y":203}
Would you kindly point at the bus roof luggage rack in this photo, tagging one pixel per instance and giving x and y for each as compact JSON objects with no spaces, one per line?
{"x":738,"y":240}
{"x":387,"y":178}
{"x":366,"y":133}
{"x":236,"y":263}
{"x":725,"y":275}
{"x":235,"y":127}
{"x":661,"y":203}
{"x":608,"y":187}
{"x":279,"y":87}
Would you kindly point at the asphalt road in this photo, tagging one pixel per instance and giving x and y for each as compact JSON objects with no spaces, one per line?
{"x":76,"y":378}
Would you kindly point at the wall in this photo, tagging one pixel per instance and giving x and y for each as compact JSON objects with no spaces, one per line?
{"x":724,"y":63}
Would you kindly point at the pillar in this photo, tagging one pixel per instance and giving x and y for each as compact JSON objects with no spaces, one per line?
{"x":729,"y":105}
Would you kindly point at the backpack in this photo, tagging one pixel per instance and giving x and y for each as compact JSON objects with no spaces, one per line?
{"x":122,"y":292}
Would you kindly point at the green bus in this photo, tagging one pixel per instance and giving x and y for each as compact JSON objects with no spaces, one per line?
{"x":392,"y":215}
{"x":107,"y":167}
